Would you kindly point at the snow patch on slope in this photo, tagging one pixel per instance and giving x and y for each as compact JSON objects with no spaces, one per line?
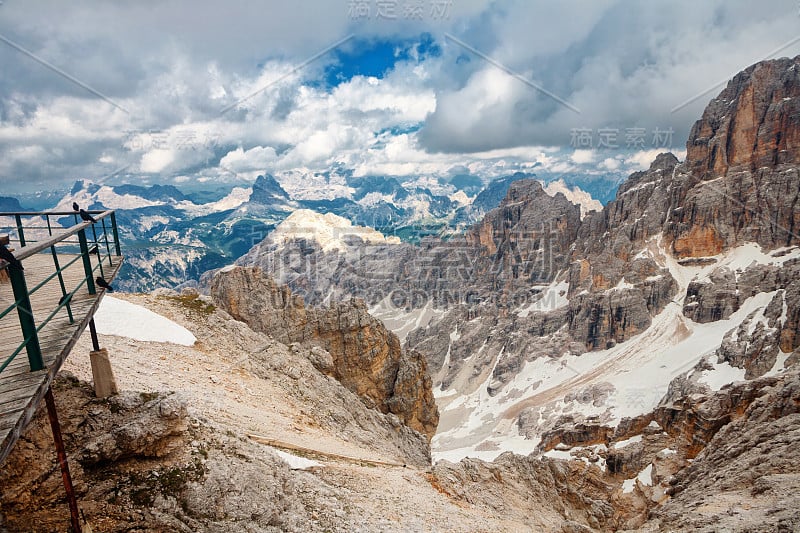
{"x":330,"y":231}
{"x":553,"y":297}
{"x":295,"y":462}
{"x":402,"y":321}
{"x":303,"y":184}
{"x":645,"y":478}
{"x":461,"y":197}
{"x":106,"y":196}
{"x":234,"y":199}
{"x":110,"y":199}
{"x":574,"y":195}
{"x":639,"y":370}
{"x":124,"y":319}
{"x":722,"y":374}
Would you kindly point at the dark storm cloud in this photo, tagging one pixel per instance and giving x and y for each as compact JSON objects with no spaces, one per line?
{"x":622,"y":64}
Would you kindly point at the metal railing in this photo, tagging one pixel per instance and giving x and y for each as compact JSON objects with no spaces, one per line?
{"x":34,"y":233}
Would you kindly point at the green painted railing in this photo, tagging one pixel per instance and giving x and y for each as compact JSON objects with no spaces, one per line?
{"x":31,"y":233}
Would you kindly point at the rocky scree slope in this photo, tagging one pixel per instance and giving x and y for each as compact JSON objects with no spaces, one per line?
{"x":359,"y":351}
{"x":159,"y":460}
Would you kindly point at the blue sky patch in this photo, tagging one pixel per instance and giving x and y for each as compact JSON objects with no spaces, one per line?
{"x":376,"y":58}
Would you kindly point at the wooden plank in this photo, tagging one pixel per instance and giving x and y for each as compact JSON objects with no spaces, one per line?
{"x":8,"y":383}
{"x":21,"y":391}
{"x":17,"y":406}
{"x":7,"y":421}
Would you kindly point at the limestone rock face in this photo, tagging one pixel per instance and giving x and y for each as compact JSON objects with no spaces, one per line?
{"x":525,"y":486}
{"x":744,"y":151}
{"x":614,"y":287}
{"x":752,"y":458}
{"x":128,"y":428}
{"x":367,"y":358}
{"x":756,"y":343}
{"x":751,"y":124}
{"x":602,"y":320}
{"x":266,"y":190}
{"x":529,"y":235}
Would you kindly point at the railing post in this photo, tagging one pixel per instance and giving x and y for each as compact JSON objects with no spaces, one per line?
{"x":87,"y":262}
{"x":64,"y":293}
{"x":96,"y":248}
{"x":26,"y":321}
{"x":19,"y":229}
{"x":115,"y":232}
{"x":105,"y":237}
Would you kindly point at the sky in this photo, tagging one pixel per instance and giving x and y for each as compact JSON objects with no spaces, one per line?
{"x":207,"y":93}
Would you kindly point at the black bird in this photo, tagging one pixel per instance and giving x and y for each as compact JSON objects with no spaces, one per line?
{"x":103,"y":283}
{"x":86,"y":216}
{"x":75,"y":206}
{"x":9,"y":258}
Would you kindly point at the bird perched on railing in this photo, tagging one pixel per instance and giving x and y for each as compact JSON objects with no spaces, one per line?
{"x":75,"y":206}
{"x":86,"y":216}
{"x":9,"y":258}
{"x":103,"y":283}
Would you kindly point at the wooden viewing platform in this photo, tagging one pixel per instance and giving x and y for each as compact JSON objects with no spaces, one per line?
{"x":48,"y":296}
{"x":20,"y":388}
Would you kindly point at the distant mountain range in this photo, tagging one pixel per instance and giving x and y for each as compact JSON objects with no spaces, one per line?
{"x":171,"y":237}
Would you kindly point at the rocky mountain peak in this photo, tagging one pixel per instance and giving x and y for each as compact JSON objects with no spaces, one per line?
{"x":752,"y":124}
{"x":267,"y":190}
{"x":529,"y":229}
{"x":329,"y":231}
{"x":739,"y":182}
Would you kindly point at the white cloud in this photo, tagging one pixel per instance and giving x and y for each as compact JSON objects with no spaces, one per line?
{"x":256,"y":158}
{"x":156,"y":160}
{"x":582,"y":157}
{"x":642,"y":159}
{"x":621,"y":64}
{"x":611,"y":164}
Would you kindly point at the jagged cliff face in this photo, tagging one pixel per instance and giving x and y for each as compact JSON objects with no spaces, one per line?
{"x":527,"y":238}
{"x":743,"y":155}
{"x":752,"y":124}
{"x":356,"y":348}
